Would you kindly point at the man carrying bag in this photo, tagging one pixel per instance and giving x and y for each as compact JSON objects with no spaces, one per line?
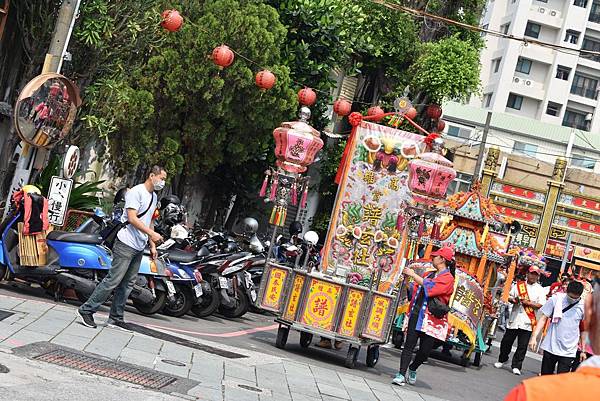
{"x":128,"y":241}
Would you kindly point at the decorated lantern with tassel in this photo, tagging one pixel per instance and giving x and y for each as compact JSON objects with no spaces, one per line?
{"x":223,"y":56}
{"x":430,"y":174}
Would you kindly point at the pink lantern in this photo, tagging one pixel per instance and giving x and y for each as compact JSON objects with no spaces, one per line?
{"x":296,"y":144}
{"x":430,"y":174}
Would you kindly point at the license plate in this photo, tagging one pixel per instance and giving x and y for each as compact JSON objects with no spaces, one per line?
{"x":170,"y":287}
{"x":223,"y":283}
{"x":198,"y":290}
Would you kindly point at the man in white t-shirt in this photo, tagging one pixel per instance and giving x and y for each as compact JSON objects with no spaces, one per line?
{"x":565,"y":312}
{"x":128,"y":250}
{"x":526,"y":297}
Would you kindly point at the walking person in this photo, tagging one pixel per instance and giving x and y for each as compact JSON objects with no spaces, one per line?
{"x":428,"y":316}
{"x":582,"y":385}
{"x":140,"y":204}
{"x":527,"y":297}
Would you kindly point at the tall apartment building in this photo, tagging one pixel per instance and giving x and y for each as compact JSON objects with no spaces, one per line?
{"x":555,"y":86}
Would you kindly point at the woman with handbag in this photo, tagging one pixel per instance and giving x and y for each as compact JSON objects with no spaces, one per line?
{"x":428,"y":317}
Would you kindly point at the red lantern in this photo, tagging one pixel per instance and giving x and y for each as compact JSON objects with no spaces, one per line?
{"x":411,"y":113}
{"x":434,"y":111}
{"x":374,"y":111}
{"x":307,"y":97}
{"x":342,"y":107}
{"x":171,"y":20}
{"x":223,"y":56}
{"x":441,"y":125}
{"x":265,"y":79}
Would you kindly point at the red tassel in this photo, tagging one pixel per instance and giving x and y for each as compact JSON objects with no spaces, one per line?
{"x":294,"y":195}
{"x":263,"y":189}
{"x":274,"y":183}
{"x":421,"y":228}
{"x":304,"y":196}
{"x":400,"y":222}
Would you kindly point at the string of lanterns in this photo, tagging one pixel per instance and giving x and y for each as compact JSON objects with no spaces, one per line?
{"x":223,"y":57}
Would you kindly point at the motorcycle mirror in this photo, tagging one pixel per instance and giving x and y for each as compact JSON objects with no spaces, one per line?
{"x":311,"y":237}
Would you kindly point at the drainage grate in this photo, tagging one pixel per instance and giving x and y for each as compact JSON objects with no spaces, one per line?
{"x":107,"y":368}
{"x":4,"y":314}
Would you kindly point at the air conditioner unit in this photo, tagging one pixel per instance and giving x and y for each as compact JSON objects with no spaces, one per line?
{"x":542,"y":10}
{"x":528,"y":83}
{"x":516,"y":79}
{"x":553,"y":13}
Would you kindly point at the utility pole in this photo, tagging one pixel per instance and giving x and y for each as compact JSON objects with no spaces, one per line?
{"x":30,"y":157}
{"x":486,"y":129}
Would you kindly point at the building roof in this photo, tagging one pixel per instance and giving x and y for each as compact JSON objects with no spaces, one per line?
{"x":469,"y":115}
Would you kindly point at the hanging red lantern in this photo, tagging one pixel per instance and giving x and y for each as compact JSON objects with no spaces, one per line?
{"x":441,"y":125}
{"x":223,"y":56}
{"x":171,"y":20}
{"x":307,"y":97}
{"x":355,"y":118}
{"x":265,"y":79}
{"x":411,"y":113}
{"x":374,"y":111}
{"x":342,"y":107}
{"x":434,"y":111}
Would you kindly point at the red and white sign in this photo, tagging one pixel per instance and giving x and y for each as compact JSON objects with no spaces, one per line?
{"x":586,"y":203}
{"x":516,"y":191}
{"x":584,"y":226}
{"x":557,"y":249}
{"x":517,"y":214}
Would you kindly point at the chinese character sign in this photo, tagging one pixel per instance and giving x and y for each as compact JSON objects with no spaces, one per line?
{"x":321,"y":304}
{"x":274,"y":289}
{"x":292,"y":306}
{"x":58,"y":200}
{"x":468,"y":302}
{"x":364,"y":234}
{"x":351,"y":313}
{"x":380,"y":308}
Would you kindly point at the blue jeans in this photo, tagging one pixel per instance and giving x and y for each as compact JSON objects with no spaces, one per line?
{"x":121,"y":277}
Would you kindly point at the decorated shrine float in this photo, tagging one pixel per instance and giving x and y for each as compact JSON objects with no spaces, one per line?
{"x":352,"y":297}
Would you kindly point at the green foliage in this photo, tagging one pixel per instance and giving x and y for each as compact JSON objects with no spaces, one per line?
{"x":447,"y":69}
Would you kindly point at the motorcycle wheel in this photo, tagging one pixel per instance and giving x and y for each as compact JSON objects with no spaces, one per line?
{"x":154,"y":307}
{"x":208,"y":306}
{"x":241,"y":307}
{"x":184,"y":300}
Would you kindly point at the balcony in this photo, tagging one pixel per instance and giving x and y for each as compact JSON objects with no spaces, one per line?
{"x":545,"y":16}
{"x":527,"y":87}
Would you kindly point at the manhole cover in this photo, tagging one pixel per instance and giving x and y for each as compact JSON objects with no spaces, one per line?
{"x":4,"y":314}
{"x":106,"y":368}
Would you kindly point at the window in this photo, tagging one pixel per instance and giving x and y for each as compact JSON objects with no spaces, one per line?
{"x":514,"y":101}
{"x":523,"y":65}
{"x":553,"y":109}
{"x":580,"y":3}
{"x":583,"y":162}
{"x":585,"y":86}
{"x":575,"y":119}
{"x":496,"y":64}
{"x":459,"y":132}
{"x":461,"y":183}
{"x":525,"y":148}
{"x":563,"y":72}
{"x":504,"y":28}
{"x":487,"y":99}
{"x":592,"y":45}
{"x":572,"y":36}
{"x":533,"y":30}
{"x":595,"y":12}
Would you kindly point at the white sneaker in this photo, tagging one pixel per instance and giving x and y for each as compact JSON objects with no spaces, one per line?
{"x":498,"y":365}
{"x":516,"y":371}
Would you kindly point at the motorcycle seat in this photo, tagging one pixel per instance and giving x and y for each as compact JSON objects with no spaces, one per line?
{"x":176,"y":255}
{"x":82,"y":238}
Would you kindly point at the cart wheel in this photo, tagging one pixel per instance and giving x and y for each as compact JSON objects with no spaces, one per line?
{"x":351,"y":357}
{"x":398,"y":338}
{"x":477,"y":359}
{"x":464,"y":359}
{"x":305,"y":339}
{"x":372,"y":355}
{"x":282,"y":336}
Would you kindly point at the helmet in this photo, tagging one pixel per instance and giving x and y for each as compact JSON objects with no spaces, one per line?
{"x":295,"y":228}
{"x":31,"y":189}
{"x":248,"y":226}
{"x":167,"y":200}
{"x":311,"y":237}
{"x":120,"y":196}
{"x":172,"y":214}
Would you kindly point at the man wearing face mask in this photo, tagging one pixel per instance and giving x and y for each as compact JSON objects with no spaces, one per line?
{"x":565,"y":312}
{"x":140,"y":204}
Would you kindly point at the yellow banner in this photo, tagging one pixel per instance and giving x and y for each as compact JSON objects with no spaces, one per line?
{"x":274,"y":289}
{"x":292,"y":307}
{"x":352,"y":313}
{"x":379,"y":311}
{"x":321,"y":304}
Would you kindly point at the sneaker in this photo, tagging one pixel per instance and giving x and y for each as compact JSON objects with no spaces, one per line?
{"x":498,"y":365}
{"x":400,"y":380}
{"x":517,"y":371}
{"x":412,"y":377}
{"x":87,"y":319}
{"x":119,"y":324}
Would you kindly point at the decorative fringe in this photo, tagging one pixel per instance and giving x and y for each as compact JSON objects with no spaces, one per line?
{"x":304,"y":196}
{"x":263,"y":188}
{"x":435,"y":231}
{"x":294,"y":194}
{"x":481,"y":268}
{"x":463,"y":326}
{"x":428,"y":250}
{"x":278,"y":215}
{"x":486,"y":230}
{"x":421,"y":228}
{"x":274,"y":184}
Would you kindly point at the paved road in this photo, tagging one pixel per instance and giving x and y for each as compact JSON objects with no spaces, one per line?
{"x":257,"y":332}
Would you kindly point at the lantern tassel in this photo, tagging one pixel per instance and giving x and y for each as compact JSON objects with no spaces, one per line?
{"x":274,"y":184}
{"x":294,"y":194}
{"x":263,"y":188}
{"x":421,"y":228}
{"x":400,"y":222}
{"x":304,"y":196}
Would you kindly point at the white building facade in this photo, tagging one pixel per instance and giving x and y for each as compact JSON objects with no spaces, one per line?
{"x":557,"y":86}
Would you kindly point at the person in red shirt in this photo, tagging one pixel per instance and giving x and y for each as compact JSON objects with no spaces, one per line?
{"x":581,"y":385}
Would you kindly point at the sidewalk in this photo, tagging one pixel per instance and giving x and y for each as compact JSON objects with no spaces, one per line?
{"x":204,"y":370}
